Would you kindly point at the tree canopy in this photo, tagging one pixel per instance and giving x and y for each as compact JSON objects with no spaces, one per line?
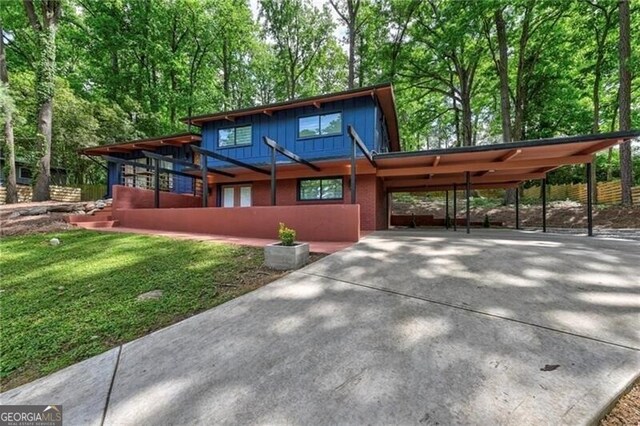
{"x":132,"y":68}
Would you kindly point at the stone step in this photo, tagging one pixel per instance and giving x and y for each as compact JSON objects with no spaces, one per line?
{"x":97,"y":224}
{"x":80,"y":218}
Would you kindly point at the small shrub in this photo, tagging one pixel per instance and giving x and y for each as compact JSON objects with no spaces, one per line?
{"x":486,"y":222}
{"x":287,"y":235}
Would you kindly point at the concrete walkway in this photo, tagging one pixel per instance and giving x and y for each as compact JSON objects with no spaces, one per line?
{"x":403,"y":328}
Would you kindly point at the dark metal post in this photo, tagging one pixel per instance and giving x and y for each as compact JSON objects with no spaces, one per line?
{"x":193,"y":186}
{"x":544,"y":205}
{"x":273,"y":176}
{"x":589,"y":201}
{"x":446,"y":209}
{"x":518,"y":207}
{"x":455,"y":206}
{"x":353,"y":172}
{"x":468,"y":192}
{"x":156,"y":184}
{"x":205,"y":180}
{"x":134,"y":177}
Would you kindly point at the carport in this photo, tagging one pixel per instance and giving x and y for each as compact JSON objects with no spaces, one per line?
{"x":505,"y":165}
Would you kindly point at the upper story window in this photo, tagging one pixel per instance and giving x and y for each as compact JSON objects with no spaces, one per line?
{"x":320,"y":125}
{"x":234,"y":136}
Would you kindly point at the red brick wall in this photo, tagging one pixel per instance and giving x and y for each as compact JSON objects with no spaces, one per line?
{"x":125,"y":197}
{"x":370,"y":195}
{"x":312,"y":223}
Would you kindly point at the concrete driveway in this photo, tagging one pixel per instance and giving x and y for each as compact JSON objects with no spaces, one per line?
{"x":421,"y":327}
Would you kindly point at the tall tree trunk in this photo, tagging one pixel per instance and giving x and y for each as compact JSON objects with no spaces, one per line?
{"x":12,"y":190}
{"x":503,"y":74}
{"x":626,"y":169}
{"x":45,"y":83}
{"x":352,"y":55}
{"x":502,"y":66}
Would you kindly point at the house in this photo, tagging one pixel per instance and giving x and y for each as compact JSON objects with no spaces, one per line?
{"x":325,"y":165}
{"x":24,"y":174}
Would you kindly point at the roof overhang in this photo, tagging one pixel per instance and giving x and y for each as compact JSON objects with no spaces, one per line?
{"x":382,"y":93}
{"x":143,"y":144}
{"x":490,"y":166}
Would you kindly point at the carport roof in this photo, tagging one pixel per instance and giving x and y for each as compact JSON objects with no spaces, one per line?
{"x":498,"y":165}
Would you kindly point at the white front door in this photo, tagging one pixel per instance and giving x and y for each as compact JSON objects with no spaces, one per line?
{"x":236,"y":196}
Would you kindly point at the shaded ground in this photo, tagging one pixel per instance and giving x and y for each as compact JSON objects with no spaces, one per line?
{"x":423,"y":327}
{"x":560,"y":214}
{"x":61,"y":304}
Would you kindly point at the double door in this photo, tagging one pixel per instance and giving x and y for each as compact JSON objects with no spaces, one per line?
{"x":236,"y":196}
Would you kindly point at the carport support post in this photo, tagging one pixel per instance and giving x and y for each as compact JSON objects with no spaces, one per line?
{"x":353,"y":172}
{"x":518,"y":207}
{"x":446,"y":209}
{"x":156,"y":184}
{"x":468,"y":194}
{"x":544,"y":205}
{"x":273,"y":176}
{"x":589,"y":201}
{"x":205,"y":181}
{"x":455,"y":206}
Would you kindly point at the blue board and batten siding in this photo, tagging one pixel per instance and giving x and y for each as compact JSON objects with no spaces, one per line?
{"x":362,"y":113}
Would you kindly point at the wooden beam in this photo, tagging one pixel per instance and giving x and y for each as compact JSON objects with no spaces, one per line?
{"x":460,"y":180}
{"x":450,"y":187}
{"x":436,"y":161}
{"x":268,"y":112}
{"x":317,"y":104}
{"x":120,"y":150}
{"x":509,"y":155}
{"x":144,"y":146}
{"x":476,"y":167}
{"x":600,"y":146}
{"x":284,"y":151}
{"x":229,"y":118}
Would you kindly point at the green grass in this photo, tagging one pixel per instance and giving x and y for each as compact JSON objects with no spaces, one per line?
{"x":61,"y":304}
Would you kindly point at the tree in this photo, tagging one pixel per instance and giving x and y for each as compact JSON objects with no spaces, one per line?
{"x":348,"y":12}
{"x":626,"y":167}
{"x":447,"y":49}
{"x":601,"y":22}
{"x":299,"y":31}
{"x":7,"y":107}
{"x":45,"y":29}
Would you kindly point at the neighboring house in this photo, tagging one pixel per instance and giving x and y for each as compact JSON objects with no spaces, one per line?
{"x":24,"y":174}
{"x":310,"y":153}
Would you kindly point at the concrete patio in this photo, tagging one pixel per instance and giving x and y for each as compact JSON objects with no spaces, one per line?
{"x":428,"y":327}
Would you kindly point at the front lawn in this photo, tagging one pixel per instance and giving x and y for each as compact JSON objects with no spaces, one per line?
{"x":61,"y":304}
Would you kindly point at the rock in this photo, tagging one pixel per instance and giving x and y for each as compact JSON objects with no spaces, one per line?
{"x":90,"y":212}
{"x":62,"y":208}
{"x":61,"y":288}
{"x":100,"y":204}
{"x":54,"y":242}
{"x":13,"y":215}
{"x":90,"y":206}
{"x":80,"y":212}
{"x":34,"y":211}
{"x":150,"y":295}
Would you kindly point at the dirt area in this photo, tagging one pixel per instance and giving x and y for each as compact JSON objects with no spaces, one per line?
{"x":560,"y":214}
{"x":626,"y":411}
{"x":47,"y":216}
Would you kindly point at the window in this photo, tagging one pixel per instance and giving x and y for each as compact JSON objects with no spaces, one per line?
{"x":320,"y":125}
{"x":24,"y":173}
{"x":234,"y":136}
{"x":320,"y":189}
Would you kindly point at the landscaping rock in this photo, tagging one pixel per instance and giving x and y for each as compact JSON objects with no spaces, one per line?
{"x":100,"y":204}
{"x":34,"y":211}
{"x":54,"y":242}
{"x":150,"y":295}
{"x":90,"y":212}
{"x":63,"y":208}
